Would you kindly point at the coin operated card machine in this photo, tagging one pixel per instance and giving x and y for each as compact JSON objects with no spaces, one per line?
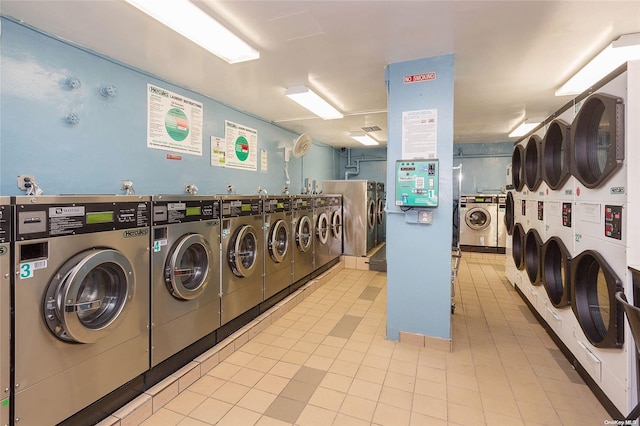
{"x":417,"y":186}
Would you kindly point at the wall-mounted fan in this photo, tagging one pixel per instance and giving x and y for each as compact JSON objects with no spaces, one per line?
{"x":302,"y":145}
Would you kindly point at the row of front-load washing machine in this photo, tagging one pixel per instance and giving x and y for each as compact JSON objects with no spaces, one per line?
{"x":573,"y":241}
{"x":99,"y":290}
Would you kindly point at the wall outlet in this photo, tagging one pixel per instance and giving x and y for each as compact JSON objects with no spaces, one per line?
{"x":25,"y":181}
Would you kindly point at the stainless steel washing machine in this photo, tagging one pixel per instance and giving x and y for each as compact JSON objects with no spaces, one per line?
{"x":278,"y":267}
{"x":380,"y":214}
{"x":302,"y":226}
{"x":321,"y":231}
{"x":335,"y":220}
{"x":81,"y":301}
{"x":242,"y":255}
{"x":6,"y":277}
{"x":185,"y":272}
{"x":359,"y":213}
{"x":478,"y":220}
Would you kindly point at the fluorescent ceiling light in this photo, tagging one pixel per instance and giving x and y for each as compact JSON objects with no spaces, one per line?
{"x":363,"y":138}
{"x":314,"y":103}
{"x":525,"y":127}
{"x":625,"y":48}
{"x":187,"y":19}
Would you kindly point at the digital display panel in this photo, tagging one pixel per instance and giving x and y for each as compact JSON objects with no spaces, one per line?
{"x":99,"y":217}
{"x":194,"y":211}
{"x":246,"y":208}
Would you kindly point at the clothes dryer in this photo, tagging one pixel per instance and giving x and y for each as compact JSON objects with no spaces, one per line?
{"x":6,"y":279}
{"x":556,"y":160}
{"x":185,"y":272}
{"x":322,"y":231}
{"x":303,"y":234}
{"x":242,"y":255}
{"x":372,"y":212}
{"x":278,"y":238}
{"x":381,"y":199}
{"x":478,"y":220}
{"x":81,"y":301}
{"x":335,"y":220}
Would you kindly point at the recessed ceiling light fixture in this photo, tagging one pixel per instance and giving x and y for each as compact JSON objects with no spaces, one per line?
{"x":363,"y":138}
{"x":623,"y":49}
{"x":525,"y":127}
{"x":187,"y":19}
{"x":311,"y":101}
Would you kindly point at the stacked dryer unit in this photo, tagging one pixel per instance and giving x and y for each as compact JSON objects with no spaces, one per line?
{"x":6,"y":279}
{"x":278,"y":241}
{"x":185,"y":272}
{"x":586,"y":234}
{"x":303,"y":235}
{"x":242,"y":255}
{"x":81,"y":301}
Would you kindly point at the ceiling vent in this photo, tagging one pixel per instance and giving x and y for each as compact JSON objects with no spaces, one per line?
{"x":372,"y":129}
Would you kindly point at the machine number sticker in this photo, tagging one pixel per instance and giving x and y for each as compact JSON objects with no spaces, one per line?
{"x":157,"y":245}
{"x":27,"y":269}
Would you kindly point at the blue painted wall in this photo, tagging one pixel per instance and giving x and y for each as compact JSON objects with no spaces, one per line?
{"x":372,"y":161}
{"x":484,"y":166}
{"x":109,"y":142}
{"x":419,"y":256}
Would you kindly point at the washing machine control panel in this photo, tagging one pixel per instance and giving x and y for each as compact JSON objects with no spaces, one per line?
{"x":302,"y":203}
{"x":274,"y":205}
{"x":5,"y":225}
{"x":241,"y":207}
{"x":166,"y":212}
{"x":56,"y":220}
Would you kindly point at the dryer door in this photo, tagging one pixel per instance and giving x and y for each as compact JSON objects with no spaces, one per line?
{"x":88,"y":296}
{"x":336,"y":224}
{"x":279,"y":241}
{"x":477,"y":218}
{"x":303,"y":234}
{"x":322,"y":228}
{"x":243,"y":251}
{"x":509,"y":213}
{"x":187,"y":267}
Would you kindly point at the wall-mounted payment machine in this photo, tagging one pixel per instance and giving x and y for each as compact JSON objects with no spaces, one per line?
{"x":417,"y":183}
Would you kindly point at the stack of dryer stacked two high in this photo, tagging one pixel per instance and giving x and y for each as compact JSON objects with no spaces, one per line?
{"x":582,"y":246}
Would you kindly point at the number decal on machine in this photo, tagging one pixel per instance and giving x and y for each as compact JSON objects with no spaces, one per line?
{"x":27,"y":269}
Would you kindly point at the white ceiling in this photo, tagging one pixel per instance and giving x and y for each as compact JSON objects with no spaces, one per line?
{"x":510,"y":56}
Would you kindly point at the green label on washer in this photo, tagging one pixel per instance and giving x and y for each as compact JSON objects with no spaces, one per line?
{"x":3,"y":249}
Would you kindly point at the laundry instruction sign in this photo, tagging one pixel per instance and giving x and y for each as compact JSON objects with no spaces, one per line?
{"x":174,"y":122}
{"x":242,"y":146}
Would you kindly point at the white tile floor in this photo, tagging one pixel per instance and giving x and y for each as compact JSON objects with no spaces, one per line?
{"x":327,"y":362}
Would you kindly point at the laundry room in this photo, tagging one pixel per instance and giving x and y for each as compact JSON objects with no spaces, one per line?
{"x":447,"y":239}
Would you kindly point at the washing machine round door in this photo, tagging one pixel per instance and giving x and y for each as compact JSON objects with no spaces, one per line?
{"x":556,"y":265}
{"x":304,"y":233}
{"x":593,"y":288}
{"x":518,"y":246}
{"x":278,"y":240}
{"x":336,"y":224}
{"x":380,"y":212}
{"x":243,"y":253}
{"x":517,"y":168}
{"x":88,"y":296}
{"x":188,"y":266}
{"x":556,"y":161}
{"x":598,"y":140}
{"x":371,"y":213}
{"x":477,"y":218}
{"x":509,"y":220}
{"x":322,"y":228}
